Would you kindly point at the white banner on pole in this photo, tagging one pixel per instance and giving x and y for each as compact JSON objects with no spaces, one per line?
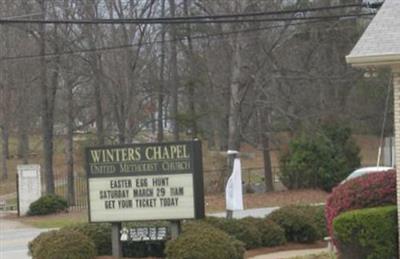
{"x":233,"y":191}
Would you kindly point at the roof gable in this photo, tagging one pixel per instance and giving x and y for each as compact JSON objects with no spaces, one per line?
{"x":380,"y":43}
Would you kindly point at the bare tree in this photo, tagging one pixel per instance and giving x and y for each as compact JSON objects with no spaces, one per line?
{"x":161,"y":88}
{"x":174,"y":74}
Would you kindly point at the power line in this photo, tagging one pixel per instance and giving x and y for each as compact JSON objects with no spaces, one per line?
{"x":147,"y":21}
{"x":21,"y":16}
{"x":225,"y":18}
{"x":250,"y":14}
{"x":253,"y":14}
{"x":111,"y":48}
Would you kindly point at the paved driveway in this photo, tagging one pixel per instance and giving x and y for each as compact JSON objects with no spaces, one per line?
{"x":14,"y":238}
{"x":257,"y":213}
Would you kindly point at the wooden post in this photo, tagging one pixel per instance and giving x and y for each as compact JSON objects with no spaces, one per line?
{"x":115,"y":240}
{"x":175,"y":229}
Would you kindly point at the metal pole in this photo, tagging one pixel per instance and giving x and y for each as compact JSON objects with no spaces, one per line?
{"x":115,"y":240}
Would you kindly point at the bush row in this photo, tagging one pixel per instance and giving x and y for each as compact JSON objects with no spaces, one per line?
{"x":367,"y":233}
{"x":208,"y":237}
{"x":253,"y":232}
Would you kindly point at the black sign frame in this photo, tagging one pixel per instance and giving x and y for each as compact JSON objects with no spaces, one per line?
{"x":197,"y":175}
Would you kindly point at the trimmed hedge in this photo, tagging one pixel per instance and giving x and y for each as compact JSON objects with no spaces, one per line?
{"x":62,"y":244}
{"x":203,"y":241}
{"x":48,"y":204}
{"x":371,"y":190}
{"x":298,"y":225}
{"x":317,"y":215}
{"x":271,"y":233}
{"x":242,"y":230}
{"x":100,"y":234}
{"x":367,"y":233}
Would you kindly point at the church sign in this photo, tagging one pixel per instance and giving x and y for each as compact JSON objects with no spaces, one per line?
{"x":154,"y":181}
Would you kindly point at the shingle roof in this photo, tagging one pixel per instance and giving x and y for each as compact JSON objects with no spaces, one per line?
{"x":380,"y":43}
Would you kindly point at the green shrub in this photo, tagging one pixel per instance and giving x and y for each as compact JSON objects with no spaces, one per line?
{"x":62,"y":244}
{"x":48,"y":204}
{"x":271,"y":233}
{"x":319,"y":160}
{"x":298,"y":226}
{"x":367,"y":233}
{"x":317,"y":214}
{"x":202,"y":241}
{"x":99,"y":233}
{"x":32,"y":245}
{"x":242,"y":230}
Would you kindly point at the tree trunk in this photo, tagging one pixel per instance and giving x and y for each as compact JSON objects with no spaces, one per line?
{"x":192,"y":81}
{"x":23,"y":142}
{"x":47,"y":129}
{"x":4,"y":134}
{"x":174,"y":68}
{"x":69,"y":145}
{"x":99,"y":107}
{"x":5,"y":140}
{"x":234,"y":106}
{"x":160,"y":97}
{"x":264,"y":137}
{"x":95,"y":60}
{"x":234,"y":103}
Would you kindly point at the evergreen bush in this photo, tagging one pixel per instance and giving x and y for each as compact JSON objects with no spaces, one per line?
{"x":298,"y":226}
{"x":203,"y":241}
{"x":367,"y":233}
{"x":317,"y":215}
{"x":319,"y":160}
{"x":271,"y":233}
{"x":48,"y":204}
{"x":62,"y":244}
{"x":99,"y":233}
{"x":242,"y":230}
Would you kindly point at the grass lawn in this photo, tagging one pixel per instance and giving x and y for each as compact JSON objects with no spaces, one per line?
{"x":214,"y":203}
{"x":55,"y":220}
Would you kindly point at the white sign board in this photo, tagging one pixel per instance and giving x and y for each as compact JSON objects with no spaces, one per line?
{"x":162,"y":197}
{"x":145,"y":182}
{"x":29,"y":186}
